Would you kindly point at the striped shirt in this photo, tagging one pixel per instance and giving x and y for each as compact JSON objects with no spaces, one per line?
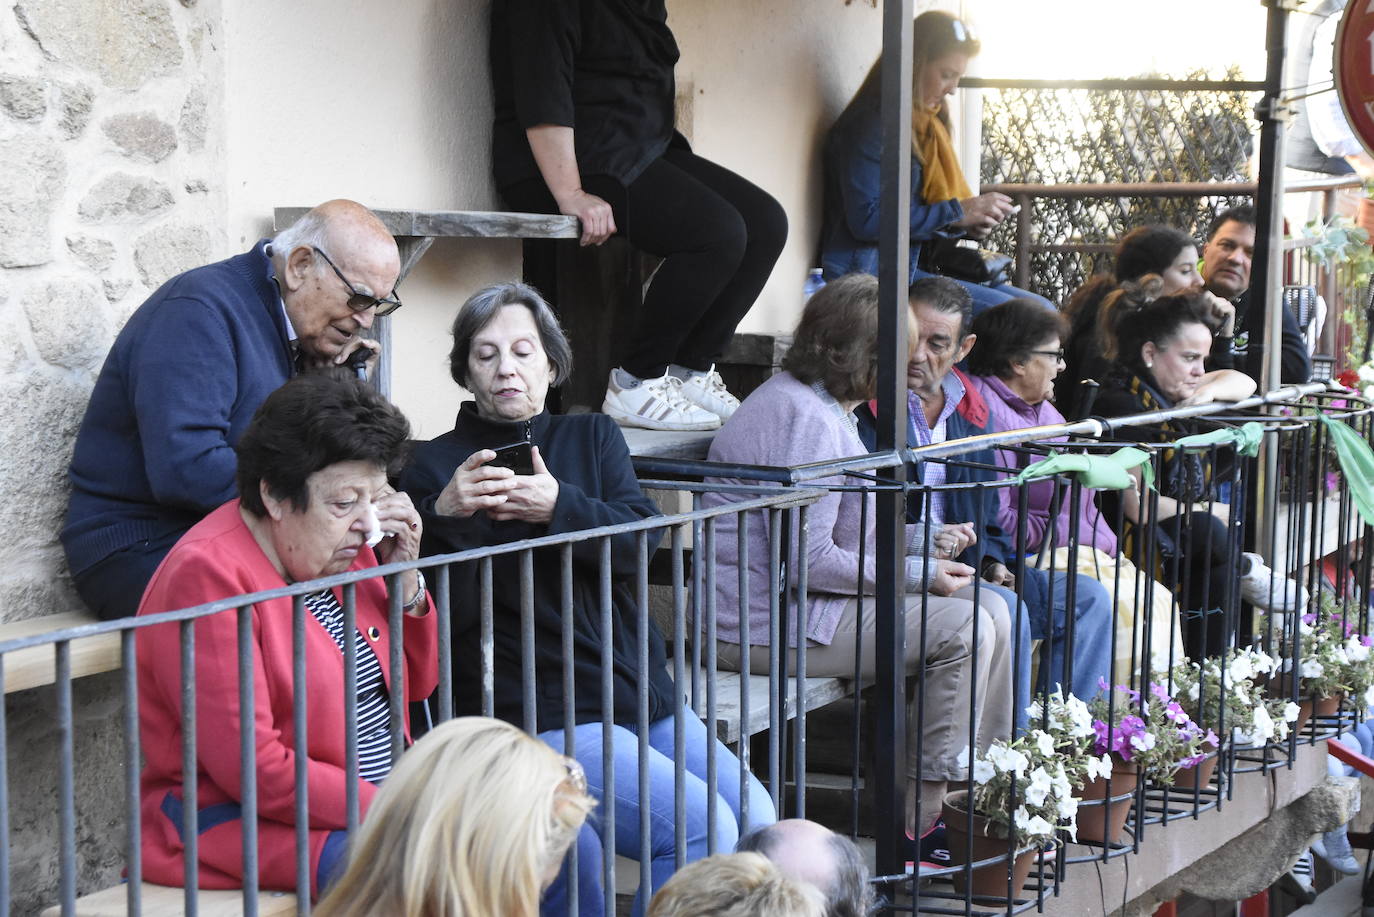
{"x":374,"y":713}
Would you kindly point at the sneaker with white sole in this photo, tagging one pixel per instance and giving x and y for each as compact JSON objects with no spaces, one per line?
{"x":707,"y":390}
{"x":654,"y":404}
{"x":1263,"y":588}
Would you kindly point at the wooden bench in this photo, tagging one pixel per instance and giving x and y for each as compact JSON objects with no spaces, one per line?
{"x":158,"y":900}
{"x":36,"y":665}
{"x":816,"y":692}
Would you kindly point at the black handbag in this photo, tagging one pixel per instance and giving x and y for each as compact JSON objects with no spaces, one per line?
{"x":948,"y":258}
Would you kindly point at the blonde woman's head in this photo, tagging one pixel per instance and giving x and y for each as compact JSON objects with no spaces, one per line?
{"x":473,"y":822}
{"x":735,"y":885}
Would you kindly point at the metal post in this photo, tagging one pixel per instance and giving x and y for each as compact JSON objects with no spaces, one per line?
{"x":1266,"y":278}
{"x":893,"y":274}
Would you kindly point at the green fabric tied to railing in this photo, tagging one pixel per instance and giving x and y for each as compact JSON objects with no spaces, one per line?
{"x":1246,"y":438}
{"x":1103,"y":472}
{"x":1357,"y":462}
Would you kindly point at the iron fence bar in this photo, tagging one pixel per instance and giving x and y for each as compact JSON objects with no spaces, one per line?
{"x":1161,"y":189}
{"x":799,"y":728}
{"x":190,"y":818}
{"x":486,"y":637}
{"x":5,"y":808}
{"x":775,"y":717}
{"x":642,"y":649}
{"x":1139,"y":83}
{"x":565,"y":590}
{"x":350,"y":701}
{"x":708,"y":551}
{"x":299,"y":726}
{"x":442,"y":596}
{"x":679,"y":676}
{"x":133,"y":812}
{"x":66,"y":778}
{"x":529,"y":709}
{"x":607,"y":727}
{"x":248,"y":761}
{"x":395,"y":622}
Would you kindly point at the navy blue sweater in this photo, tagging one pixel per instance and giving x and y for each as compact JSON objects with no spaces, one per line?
{"x":156,"y":448}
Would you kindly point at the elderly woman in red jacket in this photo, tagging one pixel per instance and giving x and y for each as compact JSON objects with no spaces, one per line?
{"x":312,"y":480}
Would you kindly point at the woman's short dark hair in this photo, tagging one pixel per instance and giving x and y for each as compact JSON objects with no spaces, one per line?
{"x":1008,"y":332}
{"x":310,"y":423}
{"x":836,"y":341}
{"x":482,"y":307}
{"x":1139,"y":317}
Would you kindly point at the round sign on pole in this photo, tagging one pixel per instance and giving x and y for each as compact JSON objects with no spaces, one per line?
{"x":1353,"y":69}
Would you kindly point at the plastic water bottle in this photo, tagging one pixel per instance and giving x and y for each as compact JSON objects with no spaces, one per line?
{"x":814,"y":281}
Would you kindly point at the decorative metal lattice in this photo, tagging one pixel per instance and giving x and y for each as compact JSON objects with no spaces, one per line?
{"x":1089,"y":136}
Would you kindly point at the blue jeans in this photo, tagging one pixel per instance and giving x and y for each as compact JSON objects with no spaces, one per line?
{"x":1092,"y":635}
{"x":985,"y":297}
{"x":662,"y":828}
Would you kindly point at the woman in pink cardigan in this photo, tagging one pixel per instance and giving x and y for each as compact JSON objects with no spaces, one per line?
{"x":314,"y":499}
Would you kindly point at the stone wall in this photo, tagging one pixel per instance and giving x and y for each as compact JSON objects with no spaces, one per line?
{"x":111,"y":170}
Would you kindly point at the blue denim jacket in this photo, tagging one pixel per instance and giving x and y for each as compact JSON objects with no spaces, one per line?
{"x":853,"y":162}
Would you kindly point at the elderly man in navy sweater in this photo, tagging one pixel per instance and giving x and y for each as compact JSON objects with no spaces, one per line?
{"x":156,"y":448}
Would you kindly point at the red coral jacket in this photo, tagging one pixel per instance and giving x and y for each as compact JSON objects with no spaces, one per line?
{"x":216,"y":559}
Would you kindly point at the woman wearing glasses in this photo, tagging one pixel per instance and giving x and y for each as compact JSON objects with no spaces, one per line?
{"x":942,"y":205}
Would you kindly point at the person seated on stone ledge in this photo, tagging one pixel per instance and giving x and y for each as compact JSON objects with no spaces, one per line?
{"x":312,"y":472}
{"x":584,"y":99}
{"x":155,"y":452}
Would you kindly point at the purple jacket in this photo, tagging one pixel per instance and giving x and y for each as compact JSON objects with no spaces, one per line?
{"x":1008,"y":411}
{"x":784,"y":422}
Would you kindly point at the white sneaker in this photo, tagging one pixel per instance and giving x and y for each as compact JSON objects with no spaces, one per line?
{"x":655,"y":404}
{"x":707,"y":390}
{"x":1263,"y":588}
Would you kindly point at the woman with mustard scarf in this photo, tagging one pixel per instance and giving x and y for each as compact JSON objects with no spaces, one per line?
{"x":942,"y":205}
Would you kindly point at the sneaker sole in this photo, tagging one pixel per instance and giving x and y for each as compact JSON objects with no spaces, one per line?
{"x":645,"y":423}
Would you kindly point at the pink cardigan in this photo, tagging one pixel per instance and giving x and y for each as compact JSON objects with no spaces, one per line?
{"x":1008,"y":411}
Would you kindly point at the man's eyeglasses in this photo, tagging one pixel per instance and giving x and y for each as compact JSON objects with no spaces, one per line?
{"x":361,"y":302}
{"x":1057,"y":354}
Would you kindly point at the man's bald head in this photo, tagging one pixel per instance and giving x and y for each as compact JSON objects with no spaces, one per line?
{"x":335,"y":251}
{"x":813,"y":853}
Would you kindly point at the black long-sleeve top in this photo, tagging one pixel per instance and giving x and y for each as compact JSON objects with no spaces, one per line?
{"x":1245,"y":351}
{"x":602,"y":67}
{"x":596,"y":487}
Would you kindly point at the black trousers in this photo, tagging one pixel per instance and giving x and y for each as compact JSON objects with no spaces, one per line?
{"x":113,"y":587}
{"x":719,"y":236}
{"x":1203,"y":575}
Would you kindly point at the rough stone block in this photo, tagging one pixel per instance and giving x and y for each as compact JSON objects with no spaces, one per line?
{"x":122,"y":197}
{"x":32,"y":171}
{"x":116,"y":289}
{"x":168,"y":250}
{"x":127,"y":43}
{"x":23,"y":98}
{"x":194,"y":119}
{"x":45,"y":410}
{"x":143,"y":136}
{"x":76,"y":101}
{"x":69,"y":325}
{"x":92,"y":251}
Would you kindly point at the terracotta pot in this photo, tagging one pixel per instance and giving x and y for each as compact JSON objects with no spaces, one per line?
{"x":1304,"y":714}
{"x":988,"y":881}
{"x":1200,"y":775}
{"x":1327,"y":706}
{"x":1102,"y":824}
{"x":1364,"y":215}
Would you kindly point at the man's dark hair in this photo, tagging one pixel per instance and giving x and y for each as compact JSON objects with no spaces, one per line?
{"x":944,"y":295}
{"x":310,"y":423}
{"x":1241,"y":214}
{"x":1008,"y":332}
{"x":849,"y":895}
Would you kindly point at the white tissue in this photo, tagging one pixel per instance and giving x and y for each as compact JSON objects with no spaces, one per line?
{"x":374,"y":528}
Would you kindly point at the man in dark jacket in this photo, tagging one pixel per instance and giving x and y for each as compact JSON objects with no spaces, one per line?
{"x":1226,"y":272}
{"x":942,"y":407}
{"x":155,"y":452}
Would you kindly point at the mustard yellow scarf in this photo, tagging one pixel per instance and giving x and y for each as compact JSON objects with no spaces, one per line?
{"x":941,"y":177}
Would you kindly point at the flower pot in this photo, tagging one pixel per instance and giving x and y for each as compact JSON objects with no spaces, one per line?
{"x":989,"y":881}
{"x":1200,"y":775}
{"x":1327,"y":706}
{"x":1102,"y":823}
{"x":1304,"y":714}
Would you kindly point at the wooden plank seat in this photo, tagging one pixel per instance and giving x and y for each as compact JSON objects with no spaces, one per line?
{"x":816,"y":692}
{"x":158,"y":900}
{"x":36,"y":665}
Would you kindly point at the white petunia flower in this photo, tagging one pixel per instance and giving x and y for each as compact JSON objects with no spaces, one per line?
{"x":1365,"y":372}
{"x":1007,"y":760}
{"x":962,"y":759}
{"x":1241,"y":668}
{"x":1099,"y":767}
{"x":1291,"y":712}
{"x":1044,"y":741}
{"x":1311,"y":668}
{"x":1039,"y":787}
{"x":1263,"y":727}
{"x":983,"y":771}
{"x":1143,"y":741}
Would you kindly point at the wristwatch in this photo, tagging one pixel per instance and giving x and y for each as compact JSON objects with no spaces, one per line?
{"x":419,"y":595}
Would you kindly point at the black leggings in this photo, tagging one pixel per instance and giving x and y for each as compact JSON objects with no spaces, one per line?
{"x":1206,"y":571}
{"x":718,"y":235}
